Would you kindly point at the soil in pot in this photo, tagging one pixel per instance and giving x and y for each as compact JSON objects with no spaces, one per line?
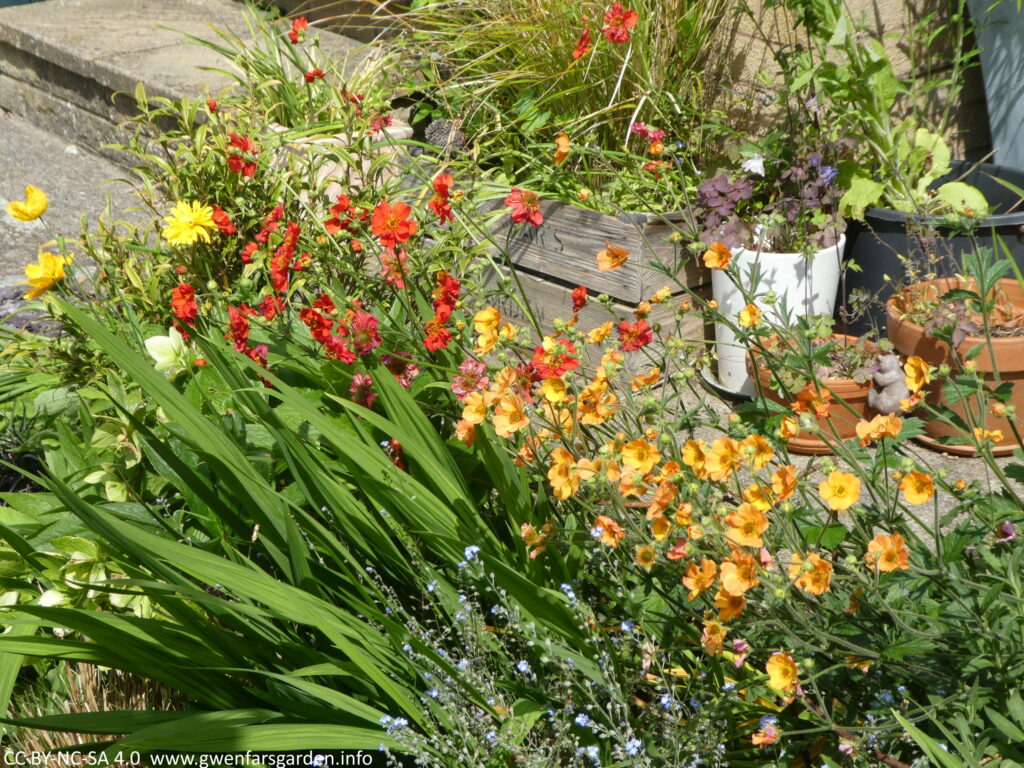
{"x":848,"y":405}
{"x":910,"y":338}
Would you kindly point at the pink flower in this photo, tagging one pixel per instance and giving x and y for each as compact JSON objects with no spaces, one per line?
{"x":525,"y":207}
{"x":402,"y":368}
{"x":361,"y":390}
{"x":742,"y":650}
{"x":1008,"y":532}
{"x":472,"y":377}
{"x":639,"y":128}
{"x":363,"y":332}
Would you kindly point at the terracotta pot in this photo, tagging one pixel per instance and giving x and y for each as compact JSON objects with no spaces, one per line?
{"x":909,"y":339}
{"x":846,"y":394}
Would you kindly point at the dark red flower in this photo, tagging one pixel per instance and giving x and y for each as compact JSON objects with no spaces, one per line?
{"x":363,"y":332}
{"x":337,"y":348}
{"x":437,"y":336}
{"x":222,"y":220}
{"x":238,"y":329}
{"x":555,"y":359}
{"x":446,"y":292}
{"x":273,"y":217}
{"x":402,"y":368}
{"x":299,"y":26}
{"x":525,"y":207}
{"x":619,"y":21}
{"x":319,"y":326}
{"x":314,"y":74}
{"x":361,"y":390}
{"x":392,"y":223}
{"x":183,"y":303}
{"x":248,"y":252}
{"x":242,"y":158}
{"x":583,"y":45}
{"x":258,"y":355}
{"x":211,"y":105}
{"x":441,"y":205}
{"x":633,"y":336}
{"x":579,"y":298}
{"x":271,"y":307}
{"x":324,"y":302}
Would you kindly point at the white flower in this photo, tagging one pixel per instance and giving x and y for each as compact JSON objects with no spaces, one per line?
{"x":168,"y":351}
{"x":754,"y":164}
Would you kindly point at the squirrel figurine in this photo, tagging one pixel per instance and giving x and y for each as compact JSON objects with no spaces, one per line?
{"x":890,"y":386}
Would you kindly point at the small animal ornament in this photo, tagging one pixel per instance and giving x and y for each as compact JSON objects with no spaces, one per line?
{"x":890,"y":386}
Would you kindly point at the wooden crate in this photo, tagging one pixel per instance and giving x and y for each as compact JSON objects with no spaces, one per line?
{"x":564,"y":250}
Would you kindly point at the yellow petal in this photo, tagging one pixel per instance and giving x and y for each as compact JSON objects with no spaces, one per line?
{"x":34,"y":206}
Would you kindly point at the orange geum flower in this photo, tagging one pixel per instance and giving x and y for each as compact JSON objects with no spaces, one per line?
{"x":561,"y":148}
{"x":917,"y":487}
{"x":475,"y":408}
{"x":841,"y":490}
{"x":724,"y":458}
{"x":746,"y":525}
{"x":789,"y":428}
{"x":607,"y":531}
{"x":660,"y":528}
{"x":713,"y":636}
{"x":510,"y":415}
{"x":717,"y":256}
{"x":812,"y":575}
{"x":757,"y":449}
{"x":811,"y":400}
{"x":595,"y":404}
{"x":640,"y":455}
{"x":599,"y":334}
{"x":918,"y":373}
{"x":664,"y":495}
{"x":662,"y":295}
{"x":611,"y":258}
{"x":759,"y":496}
{"x":699,"y":577}
{"x":739,"y":573}
{"x":981,"y":435}
{"x":554,"y":389}
{"x":562,"y":475}
{"x":729,"y":606}
{"x":888,"y":553}
{"x":644,"y":380}
{"x":487,"y":320}
{"x":695,"y":531}
{"x":782,"y":672}
{"x":678,"y":550}
{"x":784,"y":482}
{"x":465,"y":432}
{"x":695,"y":457}
{"x":684,"y":514}
{"x":749,"y":316}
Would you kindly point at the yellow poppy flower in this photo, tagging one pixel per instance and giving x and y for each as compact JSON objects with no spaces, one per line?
{"x":917,"y":487}
{"x":918,"y":373}
{"x":45,"y":274}
{"x":782,"y":672}
{"x":32,"y":208}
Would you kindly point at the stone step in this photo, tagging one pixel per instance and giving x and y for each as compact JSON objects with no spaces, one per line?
{"x":72,"y":66}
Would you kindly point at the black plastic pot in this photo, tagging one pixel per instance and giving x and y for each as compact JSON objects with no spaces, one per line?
{"x":877,"y":243}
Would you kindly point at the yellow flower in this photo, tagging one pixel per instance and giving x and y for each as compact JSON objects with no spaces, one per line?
{"x":645,"y":556}
{"x":554,"y":389}
{"x":729,"y":606}
{"x":917,"y":487}
{"x":609,"y":532}
{"x":600,"y":333}
{"x":644,"y":380}
{"x":788,"y":428}
{"x":663,"y":294}
{"x":660,"y":528}
{"x":699,"y":577}
{"x":564,"y":478}
{"x":757,"y":449}
{"x":981,"y":435}
{"x":739,"y":573}
{"x":640,"y":455}
{"x":750,"y":316}
{"x":724,"y":458}
{"x":888,"y":553}
{"x":746,"y":525}
{"x":45,"y":274}
{"x":487,"y":320}
{"x":561,"y":148}
{"x":782,"y":672}
{"x":841,"y":490}
{"x":717,"y":256}
{"x":510,"y":415}
{"x":583,"y":194}
{"x":475,"y":410}
{"x":918,"y":373}
{"x":611,"y":258}
{"x":34,"y":206}
{"x":695,"y":457}
{"x":188,"y":222}
{"x":812,"y":575}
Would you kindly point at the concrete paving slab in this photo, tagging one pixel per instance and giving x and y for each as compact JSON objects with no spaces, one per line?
{"x":77,"y":182}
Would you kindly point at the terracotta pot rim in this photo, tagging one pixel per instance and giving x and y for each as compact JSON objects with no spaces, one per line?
{"x":970,"y":339}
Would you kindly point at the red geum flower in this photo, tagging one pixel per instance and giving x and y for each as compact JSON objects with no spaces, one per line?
{"x":299,"y":26}
{"x":243,"y":157}
{"x":222,"y":220}
{"x":337,"y":348}
{"x":258,"y":355}
{"x":380,"y":122}
{"x":183,"y":303}
{"x":583,"y":45}
{"x":392,"y":223}
{"x":314,"y":74}
{"x":437,"y":336}
{"x":393,"y":267}
{"x":525,"y":207}
{"x":579,"y":298}
{"x":619,"y":21}
{"x":633,"y":336}
{"x":271,"y":307}
{"x":324,"y":302}
{"x":248,"y":252}
{"x":441,"y":204}
{"x":362,"y":330}
{"x":361,"y":390}
{"x":554,"y":359}
{"x":447,"y":291}
{"x":334,"y":225}
{"x":395,"y":453}
{"x":319,"y":326}
{"x":275,"y":215}
{"x":211,"y":105}
{"x":238,"y":329}
{"x":280,"y":264}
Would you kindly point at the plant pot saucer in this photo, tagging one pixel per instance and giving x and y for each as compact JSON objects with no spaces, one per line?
{"x":730,"y":394}
{"x":961,"y":450}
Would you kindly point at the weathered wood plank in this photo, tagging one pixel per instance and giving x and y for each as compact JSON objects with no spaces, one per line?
{"x":565,"y":248}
